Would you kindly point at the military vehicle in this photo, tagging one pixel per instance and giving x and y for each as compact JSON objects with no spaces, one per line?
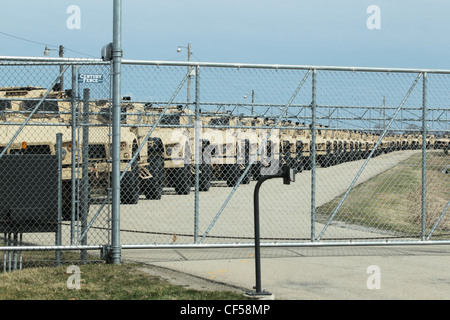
{"x":37,"y":138}
{"x":414,"y":141}
{"x":56,"y":108}
{"x":303,"y":148}
{"x":269,"y":140}
{"x":324,"y":147}
{"x":288,"y":145}
{"x":442,"y":143}
{"x":228,"y":144}
{"x":257,"y":152}
{"x":299,"y":135}
{"x":220,"y":130}
{"x":144,"y":175}
{"x":176,"y":132}
{"x":430,"y":140}
{"x":247,"y":142}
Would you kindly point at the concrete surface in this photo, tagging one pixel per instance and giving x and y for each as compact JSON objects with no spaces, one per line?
{"x":343,"y":273}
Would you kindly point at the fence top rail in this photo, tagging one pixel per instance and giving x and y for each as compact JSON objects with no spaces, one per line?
{"x":47,"y":60}
{"x":281,"y":66}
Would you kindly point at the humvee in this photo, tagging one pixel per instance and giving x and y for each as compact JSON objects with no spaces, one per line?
{"x":324,"y":147}
{"x":442,"y":143}
{"x":176,"y":129}
{"x":57,"y":108}
{"x":270,"y":157}
{"x":288,"y":145}
{"x":303,"y":147}
{"x":36,"y":138}
{"x":144,"y":175}
{"x":219,"y":130}
{"x":430,"y":140}
{"x":247,"y":141}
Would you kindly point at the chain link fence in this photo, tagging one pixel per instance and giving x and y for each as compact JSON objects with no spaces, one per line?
{"x":369,"y":148}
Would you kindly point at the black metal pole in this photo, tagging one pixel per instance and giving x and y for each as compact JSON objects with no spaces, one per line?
{"x":258,"y":289}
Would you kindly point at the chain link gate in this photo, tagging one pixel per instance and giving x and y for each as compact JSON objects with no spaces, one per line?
{"x":371,"y":178}
{"x":193,"y":145}
{"x":55,"y":193}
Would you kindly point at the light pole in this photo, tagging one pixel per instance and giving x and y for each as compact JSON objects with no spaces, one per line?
{"x":253,"y":101}
{"x":61,"y":67}
{"x":189,"y":76}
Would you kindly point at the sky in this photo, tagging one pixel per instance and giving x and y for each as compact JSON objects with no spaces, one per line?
{"x":400,"y":34}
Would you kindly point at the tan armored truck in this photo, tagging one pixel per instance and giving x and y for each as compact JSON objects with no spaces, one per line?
{"x":431,"y":139}
{"x":176,"y":130}
{"x":18,"y":102}
{"x":303,"y":147}
{"x":359,"y":145}
{"x":288,"y":145}
{"x":257,"y":151}
{"x":442,"y":143}
{"x":57,"y":108}
{"x":247,"y":142}
{"x":324,"y":147}
{"x":387,"y":144}
{"x":299,"y":135}
{"x":145,"y":174}
{"x":367,"y":144}
{"x":38,"y":137}
{"x":338,"y":147}
{"x":346,"y":151}
{"x":413,"y":142}
{"x":270,"y":156}
{"x":220,"y":130}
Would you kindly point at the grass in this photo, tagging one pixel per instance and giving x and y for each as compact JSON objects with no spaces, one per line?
{"x":98,"y":282}
{"x":392,"y":201}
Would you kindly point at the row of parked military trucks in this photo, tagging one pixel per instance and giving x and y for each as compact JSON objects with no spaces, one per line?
{"x":166,"y":146}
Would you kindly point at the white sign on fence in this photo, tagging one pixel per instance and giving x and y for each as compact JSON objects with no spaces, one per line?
{"x":90,"y":78}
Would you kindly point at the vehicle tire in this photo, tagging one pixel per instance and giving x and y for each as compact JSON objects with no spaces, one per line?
{"x":129,"y":186}
{"x":246,"y":179}
{"x":152,"y":188}
{"x":67,"y":200}
{"x":205,"y":177}
{"x":183,"y":183}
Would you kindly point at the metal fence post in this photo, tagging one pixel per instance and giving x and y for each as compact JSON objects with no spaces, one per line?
{"x":197,"y":153}
{"x":59,"y":215}
{"x":116,"y":90}
{"x":424,"y":153}
{"x":84,"y":181}
{"x":313,"y":156}
{"x":74,"y":150}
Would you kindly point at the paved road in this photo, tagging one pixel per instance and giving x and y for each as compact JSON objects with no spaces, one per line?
{"x":389,"y":272}
{"x":285,"y":210}
{"x":343,"y":273}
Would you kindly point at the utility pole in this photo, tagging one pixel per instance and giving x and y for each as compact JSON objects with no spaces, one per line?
{"x":189,"y":70}
{"x":253,"y":102}
{"x":189,"y":77}
{"x":61,"y":67}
